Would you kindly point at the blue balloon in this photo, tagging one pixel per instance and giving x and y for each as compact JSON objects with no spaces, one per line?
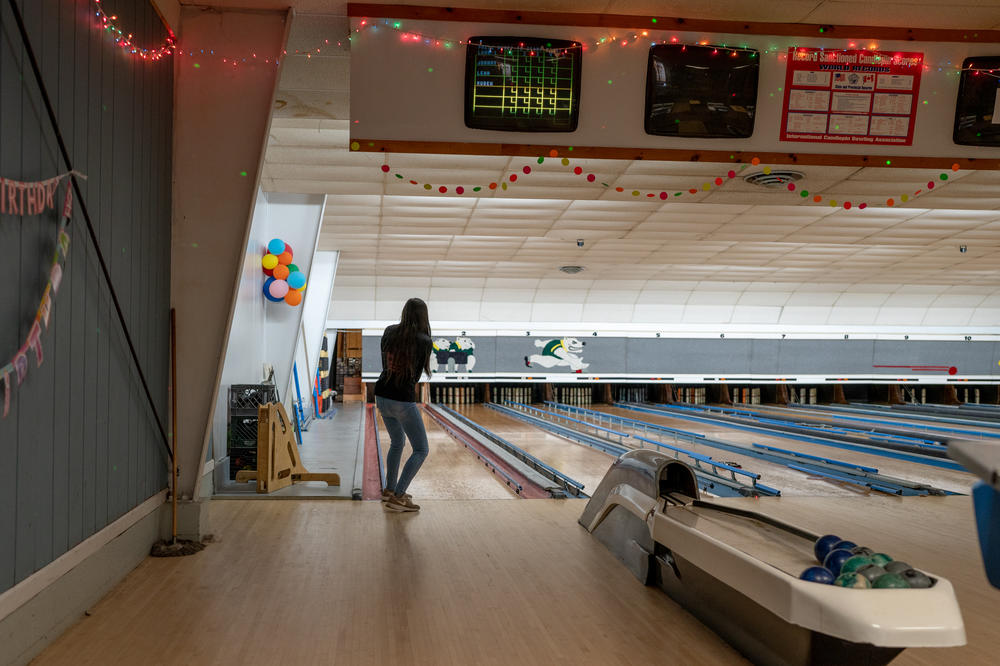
{"x":276,"y":246}
{"x":835,"y":560}
{"x":818,"y":575}
{"x":267,"y":292}
{"x":296,"y":280}
{"x":824,"y":545}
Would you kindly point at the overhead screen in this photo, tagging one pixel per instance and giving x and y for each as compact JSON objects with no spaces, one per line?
{"x":522,"y":84}
{"x":977,"y":112}
{"x":701,"y":91}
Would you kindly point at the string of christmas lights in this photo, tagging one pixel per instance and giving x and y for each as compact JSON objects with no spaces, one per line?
{"x":124,"y":41}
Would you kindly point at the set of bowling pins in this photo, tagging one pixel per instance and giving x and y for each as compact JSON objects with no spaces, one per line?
{"x":691,"y":394}
{"x":573,"y":395}
{"x":749,"y":396}
{"x":630,"y":393}
{"x":454,"y":395}
{"x":802,"y":396}
{"x":512,"y":393}
{"x":971,"y":393}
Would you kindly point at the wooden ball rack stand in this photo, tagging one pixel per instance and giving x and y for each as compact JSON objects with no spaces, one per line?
{"x":279,"y":463}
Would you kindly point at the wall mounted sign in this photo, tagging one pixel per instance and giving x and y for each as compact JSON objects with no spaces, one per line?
{"x":855,"y":97}
{"x":522,"y":84}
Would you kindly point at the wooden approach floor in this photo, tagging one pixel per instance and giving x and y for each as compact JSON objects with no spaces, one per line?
{"x":467,"y":582}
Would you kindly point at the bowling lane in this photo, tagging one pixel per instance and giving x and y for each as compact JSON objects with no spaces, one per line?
{"x":450,"y":471}
{"x":577,"y":461}
{"x":946,"y":479}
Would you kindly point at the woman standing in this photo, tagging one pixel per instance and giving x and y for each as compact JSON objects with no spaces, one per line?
{"x":406,"y":351}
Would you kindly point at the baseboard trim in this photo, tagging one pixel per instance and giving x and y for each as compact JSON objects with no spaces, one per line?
{"x":31,"y":586}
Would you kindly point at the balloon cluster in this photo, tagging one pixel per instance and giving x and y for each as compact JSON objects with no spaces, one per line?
{"x":285,"y":282}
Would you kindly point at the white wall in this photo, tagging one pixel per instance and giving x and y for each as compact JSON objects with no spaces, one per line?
{"x":295,"y":219}
{"x":732,"y":305}
{"x":264,"y":332}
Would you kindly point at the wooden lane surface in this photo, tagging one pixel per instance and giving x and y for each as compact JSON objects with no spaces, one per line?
{"x":317,"y":583}
{"x":935,"y":534}
{"x":581,"y":463}
{"x":947,"y":479}
{"x":450,"y":471}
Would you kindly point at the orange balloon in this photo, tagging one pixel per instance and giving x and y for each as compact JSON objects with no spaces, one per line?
{"x":285,"y":258}
{"x":293,"y":297}
{"x":281,"y":272}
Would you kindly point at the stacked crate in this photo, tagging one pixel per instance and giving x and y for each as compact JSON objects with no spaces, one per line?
{"x":241,"y":432}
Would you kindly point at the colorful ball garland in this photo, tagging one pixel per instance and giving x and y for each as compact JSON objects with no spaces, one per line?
{"x":707,"y":186}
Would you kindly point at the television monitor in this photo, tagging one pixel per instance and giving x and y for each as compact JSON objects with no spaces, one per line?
{"x":977,"y":111}
{"x":701,"y":91}
{"x":522,"y":84}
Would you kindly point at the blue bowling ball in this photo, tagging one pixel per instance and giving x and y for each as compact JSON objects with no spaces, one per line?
{"x":824,"y":545}
{"x":818,"y":575}
{"x":845,"y":545}
{"x":836,"y":559}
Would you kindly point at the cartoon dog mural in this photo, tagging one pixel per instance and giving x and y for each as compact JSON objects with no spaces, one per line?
{"x":457,"y":356}
{"x":559,"y":352}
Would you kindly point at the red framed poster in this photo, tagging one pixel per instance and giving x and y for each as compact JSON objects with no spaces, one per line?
{"x":866,"y":97}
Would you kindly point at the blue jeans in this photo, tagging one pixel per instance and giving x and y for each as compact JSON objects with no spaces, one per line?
{"x":402,"y":420}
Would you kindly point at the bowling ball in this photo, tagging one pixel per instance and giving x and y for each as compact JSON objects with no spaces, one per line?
{"x":916,"y":578}
{"x":871,"y":571}
{"x":817,"y":575}
{"x":845,"y":545}
{"x":890,"y":581}
{"x":862,"y":550}
{"x":852,"y":580}
{"x":880,"y":559}
{"x":855,"y":563}
{"x":836,"y":559}
{"x":896,"y":566}
{"x":824,"y":545}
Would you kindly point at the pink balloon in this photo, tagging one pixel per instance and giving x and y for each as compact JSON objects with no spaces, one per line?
{"x":278,"y":289}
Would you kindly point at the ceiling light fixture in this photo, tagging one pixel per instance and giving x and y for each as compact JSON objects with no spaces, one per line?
{"x":572,"y":270}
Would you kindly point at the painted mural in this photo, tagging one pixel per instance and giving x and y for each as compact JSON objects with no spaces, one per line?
{"x":558,"y":352}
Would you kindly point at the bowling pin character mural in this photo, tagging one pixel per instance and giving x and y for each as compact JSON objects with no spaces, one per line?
{"x":457,"y":356}
{"x":558,"y":352}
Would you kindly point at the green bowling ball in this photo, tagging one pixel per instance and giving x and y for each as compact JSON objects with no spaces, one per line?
{"x":871,"y":572}
{"x":855,"y":563}
{"x":852,"y":579}
{"x":916,"y":578}
{"x":890,"y":581}
{"x":880,"y":559}
{"x":896,"y":566}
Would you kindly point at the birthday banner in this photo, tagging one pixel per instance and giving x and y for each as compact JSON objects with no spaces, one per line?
{"x":34,"y":198}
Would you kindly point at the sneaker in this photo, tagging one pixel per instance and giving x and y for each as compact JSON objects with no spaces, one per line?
{"x":401,"y":503}
{"x":386,"y":494}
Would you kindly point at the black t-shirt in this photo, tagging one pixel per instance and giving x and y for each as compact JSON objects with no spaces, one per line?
{"x":403,"y":385}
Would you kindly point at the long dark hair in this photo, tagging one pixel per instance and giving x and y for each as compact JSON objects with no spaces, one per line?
{"x":411,"y":337}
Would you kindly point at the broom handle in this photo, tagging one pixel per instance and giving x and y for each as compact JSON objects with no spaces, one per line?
{"x":173,"y":421}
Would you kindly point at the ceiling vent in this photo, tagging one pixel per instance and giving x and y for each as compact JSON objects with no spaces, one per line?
{"x":572,"y":270}
{"x":774,"y":179}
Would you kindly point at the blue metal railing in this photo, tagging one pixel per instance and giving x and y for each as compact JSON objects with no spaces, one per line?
{"x":824,"y":441}
{"x":709,"y":477}
{"x":818,"y":465}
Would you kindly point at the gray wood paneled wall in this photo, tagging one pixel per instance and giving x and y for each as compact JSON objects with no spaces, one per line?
{"x":79,"y":447}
